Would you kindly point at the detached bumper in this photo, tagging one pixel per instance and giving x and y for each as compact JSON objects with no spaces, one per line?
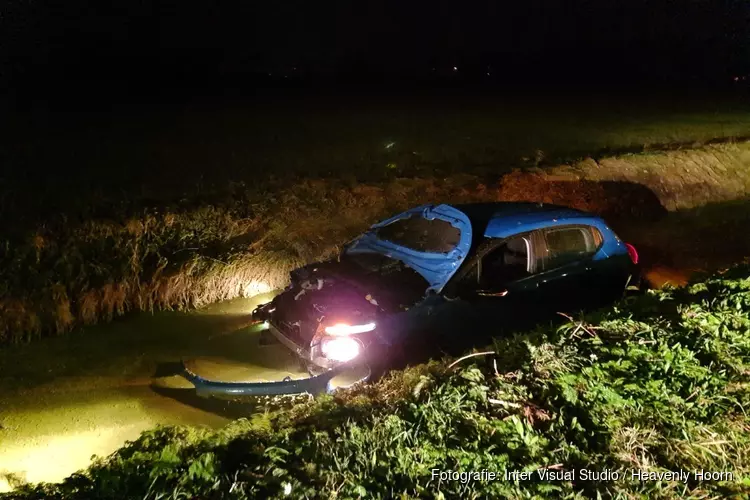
{"x":312,"y":385}
{"x":341,"y":377}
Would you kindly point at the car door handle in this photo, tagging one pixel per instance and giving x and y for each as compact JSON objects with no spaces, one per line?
{"x":502,"y":293}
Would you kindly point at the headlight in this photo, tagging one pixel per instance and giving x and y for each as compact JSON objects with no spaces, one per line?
{"x":340,"y":348}
{"x":345,"y":329}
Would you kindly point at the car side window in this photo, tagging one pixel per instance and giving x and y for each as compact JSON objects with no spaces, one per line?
{"x":565,"y":245}
{"x":510,"y":261}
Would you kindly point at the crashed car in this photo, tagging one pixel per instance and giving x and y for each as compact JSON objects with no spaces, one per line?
{"x":436,"y":276}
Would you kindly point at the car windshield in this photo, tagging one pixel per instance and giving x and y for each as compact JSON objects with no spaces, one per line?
{"x":420,"y":234}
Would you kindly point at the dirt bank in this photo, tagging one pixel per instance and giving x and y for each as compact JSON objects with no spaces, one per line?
{"x":693,"y":236}
{"x":681,"y":179}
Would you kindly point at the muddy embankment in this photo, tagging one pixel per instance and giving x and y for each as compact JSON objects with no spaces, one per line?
{"x":685,"y":210}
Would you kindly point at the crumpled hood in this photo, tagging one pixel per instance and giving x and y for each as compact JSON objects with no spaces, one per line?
{"x":435,"y":267}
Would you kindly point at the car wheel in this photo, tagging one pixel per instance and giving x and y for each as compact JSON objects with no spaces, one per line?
{"x":382,"y":359}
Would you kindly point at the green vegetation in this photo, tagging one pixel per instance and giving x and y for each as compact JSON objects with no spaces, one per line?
{"x":657,"y":383}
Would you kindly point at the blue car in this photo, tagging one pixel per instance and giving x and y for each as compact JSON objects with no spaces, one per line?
{"x":436,"y":277}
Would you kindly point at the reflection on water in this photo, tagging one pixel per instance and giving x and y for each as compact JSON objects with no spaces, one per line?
{"x":64,"y":400}
{"x":53,"y":457}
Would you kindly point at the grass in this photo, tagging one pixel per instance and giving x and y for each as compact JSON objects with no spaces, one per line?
{"x":177,"y":210}
{"x":657,"y":383}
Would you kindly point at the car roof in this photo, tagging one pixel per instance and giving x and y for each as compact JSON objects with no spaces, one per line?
{"x":502,"y":219}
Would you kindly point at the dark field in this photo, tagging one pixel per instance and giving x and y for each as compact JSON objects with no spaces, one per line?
{"x":109,"y":162}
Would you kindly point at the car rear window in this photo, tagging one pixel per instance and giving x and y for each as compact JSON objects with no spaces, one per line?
{"x":569,"y":244}
{"x":420,"y":234}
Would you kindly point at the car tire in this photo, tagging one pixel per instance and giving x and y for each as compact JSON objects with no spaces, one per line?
{"x":384,"y":358}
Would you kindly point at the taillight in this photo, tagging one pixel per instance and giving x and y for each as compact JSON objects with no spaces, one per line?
{"x":632,"y":252}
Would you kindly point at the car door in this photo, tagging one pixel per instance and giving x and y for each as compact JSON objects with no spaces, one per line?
{"x":498,"y":290}
{"x":509,"y":268}
{"x":567,"y":282}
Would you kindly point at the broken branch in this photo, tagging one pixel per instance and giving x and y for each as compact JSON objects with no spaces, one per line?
{"x":469,"y":356}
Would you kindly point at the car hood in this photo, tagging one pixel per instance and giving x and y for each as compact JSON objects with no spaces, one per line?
{"x":435,"y":267}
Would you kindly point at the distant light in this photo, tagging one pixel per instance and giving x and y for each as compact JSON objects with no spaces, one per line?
{"x":455,"y":68}
{"x":488,"y":74}
{"x":389,"y":145}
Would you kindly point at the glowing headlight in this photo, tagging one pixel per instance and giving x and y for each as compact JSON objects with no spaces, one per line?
{"x":344,"y":329}
{"x":340,"y":348}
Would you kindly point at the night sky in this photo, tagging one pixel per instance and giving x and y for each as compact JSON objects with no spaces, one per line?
{"x":48,"y":45}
